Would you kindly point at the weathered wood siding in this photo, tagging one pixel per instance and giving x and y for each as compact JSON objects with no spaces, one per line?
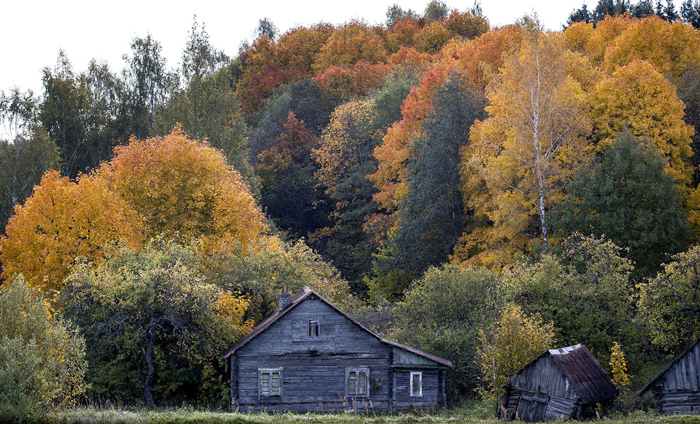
{"x":431,"y":398}
{"x":539,"y":392}
{"x":678,"y":391}
{"x":314,"y":369}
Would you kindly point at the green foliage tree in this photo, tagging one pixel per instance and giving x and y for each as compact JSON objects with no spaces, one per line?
{"x":513,"y":340}
{"x":586,"y":292}
{"x":139,"y":304}
{"x":628,"y":198}
{"x":436,"y":10}
{"x":431,"y":218}
{"x":261,"y":273}
{"x":669,"y":305}
{"x":443,"y":312}
{"x":25,"y":155}
{"x":42,"y":356}
{"x":395,"y":13}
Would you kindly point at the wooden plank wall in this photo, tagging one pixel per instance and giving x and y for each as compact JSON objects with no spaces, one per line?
{"x":313,"y":376}
{"x":679,"y":389}
{"x":431,"y":388}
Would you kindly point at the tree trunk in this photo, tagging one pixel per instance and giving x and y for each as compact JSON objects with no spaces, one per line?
{"x":148,"y":354}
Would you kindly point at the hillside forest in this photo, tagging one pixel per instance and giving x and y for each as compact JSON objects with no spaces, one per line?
{"x":481,"y":193}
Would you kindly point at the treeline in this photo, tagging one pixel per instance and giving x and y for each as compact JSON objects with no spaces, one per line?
{"x":445,"y":182}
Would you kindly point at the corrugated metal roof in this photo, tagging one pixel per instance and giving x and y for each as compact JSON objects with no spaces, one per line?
{"x":298,"y":299}
{"x":588,"y":379}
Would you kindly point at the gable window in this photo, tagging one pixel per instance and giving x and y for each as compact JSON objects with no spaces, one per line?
{"x":313,"y":329}
{"x":416,"y":384}
{"x":270,"y":381}
{"x":357,"y":381}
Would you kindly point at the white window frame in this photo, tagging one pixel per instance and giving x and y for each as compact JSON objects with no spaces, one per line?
{"x":317,"y":326}
{"x":357,"y":371}
{"x":420,"y":384}
{"x":270,"y":371}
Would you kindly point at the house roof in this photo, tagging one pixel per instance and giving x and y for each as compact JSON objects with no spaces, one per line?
{"x":587,"y":378}
{"x":661,"y":374}
{"x":297,"y":299}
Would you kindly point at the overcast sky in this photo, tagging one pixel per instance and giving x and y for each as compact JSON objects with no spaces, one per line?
{"x":33,"y":31}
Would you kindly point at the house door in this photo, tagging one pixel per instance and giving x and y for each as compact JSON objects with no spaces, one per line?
{"x":532,"y":406}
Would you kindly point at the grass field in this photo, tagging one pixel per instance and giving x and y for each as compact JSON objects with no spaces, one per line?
{"x":475,"y":415}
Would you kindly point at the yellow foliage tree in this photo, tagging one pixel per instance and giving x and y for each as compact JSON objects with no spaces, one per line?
{"x":63,"y":220}
{"x":184,"y":188}
{"x":637,"y":97}
{"x":618,"y":365}
{"x":352,"y":43}
{"x":512,"y":341}
{"x":531,"y":144}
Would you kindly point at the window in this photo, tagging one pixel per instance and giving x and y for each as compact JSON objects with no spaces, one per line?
{"x":416,"y":384}
{"x":357,"y":382}
{"x":313,"y":328}
{"x":270,"y":382}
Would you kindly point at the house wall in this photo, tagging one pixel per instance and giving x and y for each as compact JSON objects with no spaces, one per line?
{"x":678,"y":391}
{"x":314,"y":369}
{"x":433,"y":387}
{"x":542,"y":377}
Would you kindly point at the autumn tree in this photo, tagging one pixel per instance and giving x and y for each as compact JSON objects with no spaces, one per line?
{"x":638,"y":98}
{"x":532,"y":142}
{"x":42,"y":356}
{"x":344,"y":157}
{"x":629,"y":199}
{"x":153,"y":302}
{"x":354,"y":42}
{"x":184,"y":188}
{"x":431,"y":218}
{"x":512,"y":341}
{"x":61,"y":221}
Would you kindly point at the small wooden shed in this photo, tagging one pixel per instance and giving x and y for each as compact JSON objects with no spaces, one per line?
{"x":310,"y":356}
{"x":677,"y":388}
{"x":559,"y":384}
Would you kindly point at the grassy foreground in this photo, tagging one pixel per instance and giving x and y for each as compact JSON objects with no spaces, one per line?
{"x":191,"y":416}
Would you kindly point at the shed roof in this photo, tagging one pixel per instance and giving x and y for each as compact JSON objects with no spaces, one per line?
{"x":297,"y":299}
{"x":661,"y":374}
{"x":587,"y":378}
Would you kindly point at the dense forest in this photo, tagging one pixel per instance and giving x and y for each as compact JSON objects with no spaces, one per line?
{"x":479,"y":193}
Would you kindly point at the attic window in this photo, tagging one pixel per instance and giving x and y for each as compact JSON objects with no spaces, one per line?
{"x":313,"y":329}
{"x":270,"y":381}
{"x":357,"y":382}
{"x":416,"y":384}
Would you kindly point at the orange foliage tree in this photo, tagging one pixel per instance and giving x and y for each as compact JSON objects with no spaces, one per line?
{"x":63,"y":220}
{"x":352,"y":43}
{"x":348,"y":83}
{"x":184,"y":188}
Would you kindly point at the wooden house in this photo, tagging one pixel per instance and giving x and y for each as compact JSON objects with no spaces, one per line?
{"x":677,"y":388}
{"x":309,"y":355}
{"x":564,"y":383}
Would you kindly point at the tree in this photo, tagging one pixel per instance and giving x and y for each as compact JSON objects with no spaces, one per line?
{"x":78,"y":112}
{"x":586,"y":291}
{"x":344,"y":157}
{"x":430,"y":219}
{"x":26,"y":154}
{"x":531,"y":144}
{"x":268,"y":28}
{"x":443,"y":312}
{"x":354,"y":42}
{"x":42,"y":356}
{"x":148,"y":84}
{"x":436,"y":10}
{"x":690,"y":13}
{"x":137,"y":303}
{"x":396,"y":14}
{"x":184,"y":188}
{"x":628,"y":198}
{"x":638,"y":98}
{"x":669,"y":304}
{"x":61,"y":221}
{"x":508,"y":345}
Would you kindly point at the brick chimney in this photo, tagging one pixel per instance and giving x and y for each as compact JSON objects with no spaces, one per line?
{"x":285,"y":299}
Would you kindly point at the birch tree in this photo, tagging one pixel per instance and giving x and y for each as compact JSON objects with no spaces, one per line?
{"x":530,"y":145}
